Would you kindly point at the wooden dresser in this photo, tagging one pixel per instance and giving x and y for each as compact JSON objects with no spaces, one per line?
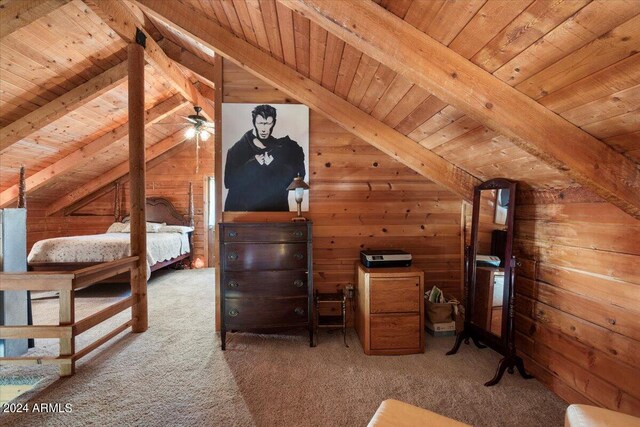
{"x":266,"y":277}
{"x":390,"y":310}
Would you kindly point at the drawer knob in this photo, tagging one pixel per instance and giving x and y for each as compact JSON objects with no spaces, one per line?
{"x":232,"y":256}
{"x":233,"y":233}
{"x":233,"y":284}
{"x":298,"y":233}
{"x":233,"y":312}
{"x":298,"y":283}
{"x":298,"y":256}
{"x":299,"y":311}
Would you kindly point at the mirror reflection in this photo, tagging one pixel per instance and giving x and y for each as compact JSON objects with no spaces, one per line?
{"x":490,"y":299}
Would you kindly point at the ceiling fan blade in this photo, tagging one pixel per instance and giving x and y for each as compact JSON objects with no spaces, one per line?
{"x":172,"y":124}
{"x":187,"y":118}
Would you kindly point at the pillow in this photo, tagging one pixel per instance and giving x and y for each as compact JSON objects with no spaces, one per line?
{"x":116,"y":227}
{"x":175,"y":229}
{"x":152,"y":227}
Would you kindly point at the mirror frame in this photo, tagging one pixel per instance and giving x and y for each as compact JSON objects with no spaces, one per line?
{"x":501,"y":343}
{"x":505,"y":343}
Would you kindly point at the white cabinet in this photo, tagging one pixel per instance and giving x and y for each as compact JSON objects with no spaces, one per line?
{"x":13,"y":258}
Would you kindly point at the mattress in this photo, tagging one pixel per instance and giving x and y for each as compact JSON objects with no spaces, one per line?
{"x":108,"y":247}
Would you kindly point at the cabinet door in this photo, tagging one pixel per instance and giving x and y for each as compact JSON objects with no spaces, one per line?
{"x":395,"y":294}
{"x":395,"y":331}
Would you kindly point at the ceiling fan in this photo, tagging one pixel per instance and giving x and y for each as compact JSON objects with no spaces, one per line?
{"x":200,"y":127}
{"x":197,"y":127}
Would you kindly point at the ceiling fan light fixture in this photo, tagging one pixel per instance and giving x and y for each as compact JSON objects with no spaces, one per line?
{"x":190,"y":132}
{"x":204,"y":135}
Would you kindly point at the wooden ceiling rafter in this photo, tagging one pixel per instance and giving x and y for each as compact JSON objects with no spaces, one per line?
{"x":90,"y":150}
{"x":183,"y":56}
{"x":459,"y":82}
{"x":74,"y":207}
{"x":62,"y":105}
{"x":287,"y":79}
{"x":115,"y":173}
{"x":123,"y":20}
{"x":18,"y":14}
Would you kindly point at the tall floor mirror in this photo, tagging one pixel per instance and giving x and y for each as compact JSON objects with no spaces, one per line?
{"x":490,"y":276}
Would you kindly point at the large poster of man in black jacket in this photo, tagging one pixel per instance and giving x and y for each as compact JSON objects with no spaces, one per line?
{"x":264,"y":148}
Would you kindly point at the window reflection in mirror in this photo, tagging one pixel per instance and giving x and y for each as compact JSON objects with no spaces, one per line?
{"x":501,"y":206}
{"x":490,"y":258}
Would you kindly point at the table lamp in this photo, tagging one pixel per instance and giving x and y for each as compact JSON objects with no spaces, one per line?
{"x":298,"y":186}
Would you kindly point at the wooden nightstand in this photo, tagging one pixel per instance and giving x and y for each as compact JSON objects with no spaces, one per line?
{"x":390,"y":310}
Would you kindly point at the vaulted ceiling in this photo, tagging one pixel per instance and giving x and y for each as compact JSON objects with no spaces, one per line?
{"x":577,"y":60}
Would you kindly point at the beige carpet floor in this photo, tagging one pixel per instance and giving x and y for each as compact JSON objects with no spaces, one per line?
{"x":176,"y":375}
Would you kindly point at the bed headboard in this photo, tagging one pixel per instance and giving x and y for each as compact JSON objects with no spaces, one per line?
{"x":159,"y":209}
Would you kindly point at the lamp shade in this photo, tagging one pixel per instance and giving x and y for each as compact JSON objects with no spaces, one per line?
{"x":298,"y":183}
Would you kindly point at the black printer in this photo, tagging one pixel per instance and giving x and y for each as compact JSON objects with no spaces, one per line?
{"x":371,"y":258}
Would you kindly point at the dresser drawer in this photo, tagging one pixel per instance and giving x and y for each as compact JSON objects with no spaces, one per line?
{"x":395,"y":295}
{"x":264,"y":256}
{"x":395,"y":331}
{"x":265,"y":233}
{"x":245,"y":313}
{"x":265,"y":283}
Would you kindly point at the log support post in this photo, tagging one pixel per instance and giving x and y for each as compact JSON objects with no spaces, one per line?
{"x":135,"y":52}
{"x":217,"y":70}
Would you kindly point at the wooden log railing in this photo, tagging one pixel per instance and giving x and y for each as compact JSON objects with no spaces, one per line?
{"x":68,"y":328}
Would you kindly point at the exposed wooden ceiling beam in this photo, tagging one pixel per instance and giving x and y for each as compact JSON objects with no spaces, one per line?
{"x":74,"y":207}
{"x":84,"y":154}
{"x":117,"y":172}
{"x":62,"y":105}
{"x":19,"y":13}
{"x":124,"y":22}
{"x":457,"y":81}
{"x":184,"y":57}
{"x":252,"y":59}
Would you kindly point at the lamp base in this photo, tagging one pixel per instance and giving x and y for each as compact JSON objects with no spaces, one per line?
{"x":299,"y":218}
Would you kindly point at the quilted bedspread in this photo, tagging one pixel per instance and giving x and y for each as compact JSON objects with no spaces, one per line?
{"x":108,"y":247}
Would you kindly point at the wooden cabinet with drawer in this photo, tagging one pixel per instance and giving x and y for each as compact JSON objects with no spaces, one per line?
{"x":390,"y":310}
{"x":266,"y":277}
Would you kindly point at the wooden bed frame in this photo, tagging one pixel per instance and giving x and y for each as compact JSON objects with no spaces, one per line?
{"x":158,"y":209}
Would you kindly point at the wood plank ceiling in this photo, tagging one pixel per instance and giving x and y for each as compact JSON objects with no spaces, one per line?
{"x":578,"y":58}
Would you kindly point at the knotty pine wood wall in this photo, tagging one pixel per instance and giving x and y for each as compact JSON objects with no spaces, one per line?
{"x":168,"y":176}
{"x":578,"y":299}
{"x":361,"y":198}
